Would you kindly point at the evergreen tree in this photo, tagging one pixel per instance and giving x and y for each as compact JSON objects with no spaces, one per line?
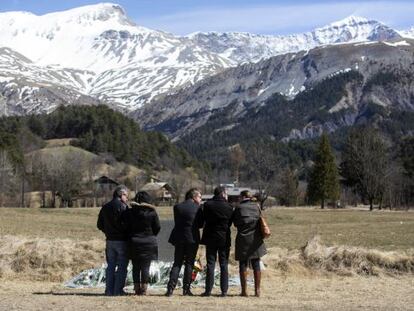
{"x":324,"y":182}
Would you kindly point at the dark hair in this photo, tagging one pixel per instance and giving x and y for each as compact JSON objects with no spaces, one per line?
{"x":143,"y":197}
{"x":119,"y":190}
{"x":246,"y":194}
{"x":219,"y":190}
{"x":190,"y":194}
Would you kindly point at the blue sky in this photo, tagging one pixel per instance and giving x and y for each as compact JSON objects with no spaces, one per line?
{"x":256,"y":16}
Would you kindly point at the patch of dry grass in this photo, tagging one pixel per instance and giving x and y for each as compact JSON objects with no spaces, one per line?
{"x":47,"y":259}
{"x":315,"y":258}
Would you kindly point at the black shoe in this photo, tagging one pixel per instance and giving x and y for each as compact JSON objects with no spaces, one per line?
{"x":187,"y":292}
{"x":223,"y":295}
{"x":168,"y":293}
{"x":205,"y":294}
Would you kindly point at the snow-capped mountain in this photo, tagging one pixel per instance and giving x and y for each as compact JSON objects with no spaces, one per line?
{"x":408,"y":33}
{"x":98,"y":51}
{"x":245,"y":47}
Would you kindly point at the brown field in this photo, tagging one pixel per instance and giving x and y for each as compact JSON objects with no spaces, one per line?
{"x":358,"y":261}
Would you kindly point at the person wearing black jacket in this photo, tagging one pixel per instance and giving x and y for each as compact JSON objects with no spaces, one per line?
{"x":110,"y":223}
{"x":217,"y":214}
{"x":185,"y":237}
{"x":143,"y":225}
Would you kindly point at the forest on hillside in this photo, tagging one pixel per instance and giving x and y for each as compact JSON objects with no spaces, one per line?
{"x":109,"y":136}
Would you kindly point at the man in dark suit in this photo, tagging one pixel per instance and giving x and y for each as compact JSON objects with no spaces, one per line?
{"x":217,"y":214}
{"x":185,"y":237}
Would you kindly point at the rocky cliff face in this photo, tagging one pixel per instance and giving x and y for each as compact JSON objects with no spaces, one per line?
{"x":251,"y":85}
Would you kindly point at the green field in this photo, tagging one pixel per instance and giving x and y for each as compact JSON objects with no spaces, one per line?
{"x":291,"y":227}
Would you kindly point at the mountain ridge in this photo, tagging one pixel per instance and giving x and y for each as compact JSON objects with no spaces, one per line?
{"x":128,"y":66}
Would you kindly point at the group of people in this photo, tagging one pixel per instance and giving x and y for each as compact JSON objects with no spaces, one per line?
{"x":131,"y":234}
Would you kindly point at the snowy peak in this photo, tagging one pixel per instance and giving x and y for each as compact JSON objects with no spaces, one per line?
{"x":354,"y":29}
{"x":351,"y":20}
{"x":99,"y":12}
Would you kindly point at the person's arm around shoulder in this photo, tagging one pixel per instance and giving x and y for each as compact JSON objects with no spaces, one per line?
{"x":156,"y":227}
{"x":175,"y":212}
{"x":126,"y":219}
{"x":100,"y":224}
{"x":200,"y":217}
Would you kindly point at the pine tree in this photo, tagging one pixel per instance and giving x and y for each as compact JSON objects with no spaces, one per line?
{"x":324,"y":182}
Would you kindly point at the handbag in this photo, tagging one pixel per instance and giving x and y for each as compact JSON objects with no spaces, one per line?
{"x":264,"y":227}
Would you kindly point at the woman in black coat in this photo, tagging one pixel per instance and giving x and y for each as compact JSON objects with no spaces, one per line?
{"x":249,"y":241}
{"x":143,"y":225}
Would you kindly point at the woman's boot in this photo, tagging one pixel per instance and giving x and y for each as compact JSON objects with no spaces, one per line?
{"x":137,"y":288}
{"x":144,"y":287}
{"x":257,"y":280}
{"x":243,"y":283}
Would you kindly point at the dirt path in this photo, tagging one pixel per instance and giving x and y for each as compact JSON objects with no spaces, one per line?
{"x":292,"y":293}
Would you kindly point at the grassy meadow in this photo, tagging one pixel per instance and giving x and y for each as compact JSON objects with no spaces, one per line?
{"x":291,"y":227}
{"x":349,"y":267}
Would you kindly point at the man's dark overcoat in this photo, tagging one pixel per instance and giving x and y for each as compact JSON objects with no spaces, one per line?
{"x":187,"y":222}
{"x":217,"y":215}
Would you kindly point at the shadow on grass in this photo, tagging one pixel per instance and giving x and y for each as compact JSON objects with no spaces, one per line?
{"x":73,"y":294}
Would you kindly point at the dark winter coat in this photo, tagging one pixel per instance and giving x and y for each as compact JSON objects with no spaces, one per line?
{"x":143,"y":225}
{"x":249,"y":241}
{"x":217,"y":216}
{"x":110,"y":220}
{"x":187,"y":222}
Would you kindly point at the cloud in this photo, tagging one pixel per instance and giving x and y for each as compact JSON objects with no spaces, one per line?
{"x":280,"y":19}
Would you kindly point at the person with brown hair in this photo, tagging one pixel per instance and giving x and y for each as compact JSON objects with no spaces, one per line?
{"x":249,"y":241}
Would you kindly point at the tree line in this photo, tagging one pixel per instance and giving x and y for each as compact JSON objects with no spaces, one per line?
{"x":98,"y":129}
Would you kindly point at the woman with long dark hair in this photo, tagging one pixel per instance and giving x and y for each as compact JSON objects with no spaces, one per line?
{"x":249,"y":241}
{"x":143,"y":225}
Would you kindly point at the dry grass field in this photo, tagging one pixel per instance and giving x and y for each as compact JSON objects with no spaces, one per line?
{"x":359,"y":260}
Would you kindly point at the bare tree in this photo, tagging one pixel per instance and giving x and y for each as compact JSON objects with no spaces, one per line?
{"x":60,"y":173}
{"x":7,"y":175}
{"x":288,"y":187}
{"x":365,"y":164}
{"x":237,"y":159}
{"x":265,"y":168}
{"x":39,"y":175}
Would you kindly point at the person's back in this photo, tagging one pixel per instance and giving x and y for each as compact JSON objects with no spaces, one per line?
{"x":110,"y":222}
{"x":185,"y":237}
{"x":142,"y":220}
{"x":249,"y":241}
{"x":186,"y":223}
{"x":143,"y":225}
{"x":217,"y":215}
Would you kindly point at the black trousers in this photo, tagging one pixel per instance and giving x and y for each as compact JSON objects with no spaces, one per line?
{"x":211,"y":256}
{"x":140,"y":270}
{"x":183,"y":253}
